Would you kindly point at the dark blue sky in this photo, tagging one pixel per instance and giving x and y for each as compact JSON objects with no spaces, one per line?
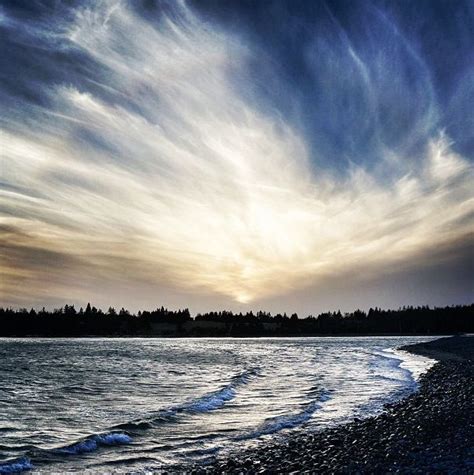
{"x":418,"y":56}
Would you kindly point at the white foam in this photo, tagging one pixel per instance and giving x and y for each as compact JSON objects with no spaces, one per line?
{"x":288,"y":421}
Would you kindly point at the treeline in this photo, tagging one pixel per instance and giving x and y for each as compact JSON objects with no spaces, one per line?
{"x":67,"y":321}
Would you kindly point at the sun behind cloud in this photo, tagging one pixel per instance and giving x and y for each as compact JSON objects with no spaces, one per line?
{"x":159,"y":167}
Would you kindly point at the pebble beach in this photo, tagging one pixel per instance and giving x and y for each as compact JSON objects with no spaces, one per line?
{"x":430,"y":431}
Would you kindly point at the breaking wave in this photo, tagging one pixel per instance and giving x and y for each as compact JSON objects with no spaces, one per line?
{"x":218,"y":398}
{"x":91,"y":444}
{"x":386,"y":365}
{"x":288,"y":421}
{"x":121,"y":434}
{"x":261,"y":389}
{"x":16,"y":465}
{"x":208,"y":402}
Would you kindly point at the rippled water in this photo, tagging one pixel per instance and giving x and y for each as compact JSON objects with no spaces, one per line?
{"x":139,"y":404}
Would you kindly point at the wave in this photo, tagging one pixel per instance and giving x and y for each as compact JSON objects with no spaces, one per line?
{"x":387,"y":366}
{"x":207,"y":402}
{"x":217,"y":399}
{"x":16,"y":465}
{"x":212,"y":401}
{"x":288,"y":421}
{"x":86,"y":445}
{"x":121,"y":434}
{"x":92,"y":443}
{"x":134,"y":426}
{"x":8,"y":429}
{"x":130,"y":460}
{"x":79,"y":389}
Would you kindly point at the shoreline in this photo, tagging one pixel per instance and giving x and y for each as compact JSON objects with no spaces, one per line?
{"x":429,"y":431}
{"x":229,"y":337}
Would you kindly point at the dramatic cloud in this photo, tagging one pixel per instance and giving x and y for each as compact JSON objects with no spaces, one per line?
{"x":166,"y":148}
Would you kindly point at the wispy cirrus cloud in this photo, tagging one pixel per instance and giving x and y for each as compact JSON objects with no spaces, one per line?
{"x":156,"y":164}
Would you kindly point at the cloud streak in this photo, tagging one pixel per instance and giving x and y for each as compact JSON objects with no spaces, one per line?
{"x":160,"y":161}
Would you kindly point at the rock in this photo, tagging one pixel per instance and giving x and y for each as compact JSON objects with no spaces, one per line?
{"x":429,"y":431}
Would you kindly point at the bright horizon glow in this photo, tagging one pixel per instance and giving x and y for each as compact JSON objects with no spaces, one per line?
{"x":161,"y":171}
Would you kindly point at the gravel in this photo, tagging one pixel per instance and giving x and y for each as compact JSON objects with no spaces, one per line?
{"x":430,"y":431}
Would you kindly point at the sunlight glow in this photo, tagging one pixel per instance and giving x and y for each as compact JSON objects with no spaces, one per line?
{"x":172,"y":176}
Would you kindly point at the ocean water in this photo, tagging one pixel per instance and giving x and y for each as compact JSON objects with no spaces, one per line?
{"x":122,"y":405}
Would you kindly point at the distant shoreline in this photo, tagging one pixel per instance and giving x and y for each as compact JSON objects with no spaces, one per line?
{"x":160,"y":337}
{"x":67,"y":322}
{"x":430,"y":431}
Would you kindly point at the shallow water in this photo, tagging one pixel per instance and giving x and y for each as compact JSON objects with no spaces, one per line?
{"x":139,"y":404}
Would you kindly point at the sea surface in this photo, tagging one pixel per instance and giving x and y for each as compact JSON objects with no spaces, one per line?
{"x":135,"y":405}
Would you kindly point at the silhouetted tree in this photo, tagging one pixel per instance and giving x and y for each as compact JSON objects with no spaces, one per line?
{"x":67,"y":321}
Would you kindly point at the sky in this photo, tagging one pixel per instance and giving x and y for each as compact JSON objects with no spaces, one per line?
{"x":278,"y":155}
